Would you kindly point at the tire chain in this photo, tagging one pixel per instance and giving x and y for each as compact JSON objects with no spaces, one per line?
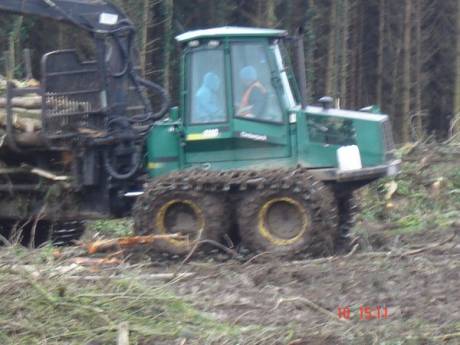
{"x":348,"y":213}
{"x":65,"y":233}
{"x":237,"y":182}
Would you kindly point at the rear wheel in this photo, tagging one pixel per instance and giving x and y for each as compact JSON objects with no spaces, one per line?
{"x":196,"y":215}
{"x":348,"y":209}
{"x":66,"y":233}
{"x":299,"y":218}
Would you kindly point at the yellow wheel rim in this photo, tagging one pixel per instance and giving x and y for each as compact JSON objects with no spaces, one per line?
{"x":273,"y":235}
{"x":161,"y":220}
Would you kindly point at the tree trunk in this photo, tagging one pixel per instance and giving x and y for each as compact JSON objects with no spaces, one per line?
{"x":380,"y":52}
{"x":146,"y":18}
{"x":331,"y":52}
{"x":360,"y":47}
{"x":457,"y":75}
{"x":355,"y":55}
{"x":310,"y":47}
{"x":395,"y":83}
{"x":418,"y":67}
{"x":344,"y":54}
{"x":169,"y":7}
{"x":271,"y":14}
{"x":405,"y":119}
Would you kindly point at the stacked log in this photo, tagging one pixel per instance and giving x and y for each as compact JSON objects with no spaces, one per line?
{"x":26,"y":109}
{"x":2,"y":85}
{"x":26,"y":113}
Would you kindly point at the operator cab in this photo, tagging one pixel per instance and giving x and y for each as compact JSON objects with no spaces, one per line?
{"x":236,"y":97}
{"x":235,"y":72}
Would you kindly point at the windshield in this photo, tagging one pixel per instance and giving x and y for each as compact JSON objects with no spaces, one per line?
{"x":254,"y":96}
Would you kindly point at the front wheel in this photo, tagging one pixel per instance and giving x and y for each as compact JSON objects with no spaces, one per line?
{"x":301,"y":218}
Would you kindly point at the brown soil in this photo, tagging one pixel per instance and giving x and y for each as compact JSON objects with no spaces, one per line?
{"x":420,"y":291}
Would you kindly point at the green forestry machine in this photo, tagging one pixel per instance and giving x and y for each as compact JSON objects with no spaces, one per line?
{"x":241,"y":159}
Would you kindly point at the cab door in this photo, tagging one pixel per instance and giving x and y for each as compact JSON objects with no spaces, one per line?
{"x":260,"y":125}
{"x":208,"y":135}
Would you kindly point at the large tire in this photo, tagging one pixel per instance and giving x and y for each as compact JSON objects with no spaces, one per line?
{"x":348,"y":209}
{"x":300,"y":217}
{"x":198,"y":215}
{"x":66,"y":233}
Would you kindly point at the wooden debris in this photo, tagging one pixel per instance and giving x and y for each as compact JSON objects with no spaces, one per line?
{"x":91,"y":132}
{"x":84,"y":261}
{"x":123,"y":334}
{"x":48,"y":175}
{"x":312,"y":306}
{"x":127,"y":242}
{"x":437,"y":187}
{"x":429,"y":247}
{"x":152,"y":277}
{"x":391,"y":188}
{"x":27,"y":102}
{"x":22,"y":123}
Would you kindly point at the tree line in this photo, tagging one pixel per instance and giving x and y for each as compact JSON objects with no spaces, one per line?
{"x":402,"y":55}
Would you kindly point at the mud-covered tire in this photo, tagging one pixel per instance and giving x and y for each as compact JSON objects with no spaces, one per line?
{"x":66,"y":233}
{"x":196,"y":214}
{"x":299,"y":216}
{"x":348,"y":209}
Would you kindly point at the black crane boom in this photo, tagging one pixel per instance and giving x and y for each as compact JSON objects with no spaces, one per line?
{"x":91,"y":15}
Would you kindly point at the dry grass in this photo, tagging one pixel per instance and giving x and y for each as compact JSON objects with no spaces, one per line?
{"x":49,"y":302}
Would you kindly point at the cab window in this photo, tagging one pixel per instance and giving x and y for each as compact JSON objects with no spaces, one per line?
{"x":254,"y":96}
{"x":207,"y":87}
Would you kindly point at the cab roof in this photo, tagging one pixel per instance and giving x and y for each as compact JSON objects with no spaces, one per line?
{"x":230,"y":31}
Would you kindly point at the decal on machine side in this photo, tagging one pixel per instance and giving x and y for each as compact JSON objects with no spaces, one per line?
{"x":211,"y":133}
{"x":252,"y":136}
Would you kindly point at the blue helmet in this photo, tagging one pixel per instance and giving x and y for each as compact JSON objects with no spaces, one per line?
{"x":248,"y":73}
{"x":211,"y":81}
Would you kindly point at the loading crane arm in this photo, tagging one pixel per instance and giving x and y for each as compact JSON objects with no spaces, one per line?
{"x":95,"y":16}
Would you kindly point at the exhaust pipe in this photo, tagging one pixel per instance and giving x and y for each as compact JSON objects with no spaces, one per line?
{"x":300,"y":62}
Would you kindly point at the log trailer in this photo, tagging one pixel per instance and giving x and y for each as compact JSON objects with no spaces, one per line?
{"x":242,"y":156}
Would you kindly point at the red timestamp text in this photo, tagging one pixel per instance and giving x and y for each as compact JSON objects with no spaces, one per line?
{"x":366,"y":313}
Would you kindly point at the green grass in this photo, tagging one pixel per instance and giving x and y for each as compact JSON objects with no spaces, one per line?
{"x":62,"y":308}
{"x":111,"y":227}
{"x":416,"y":203}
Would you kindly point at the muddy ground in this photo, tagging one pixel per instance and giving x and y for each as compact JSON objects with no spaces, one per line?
{"x":412,"y":278}
{"x":418,"y":288}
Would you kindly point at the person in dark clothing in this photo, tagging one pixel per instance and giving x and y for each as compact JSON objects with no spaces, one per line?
{"x":254,"y":100}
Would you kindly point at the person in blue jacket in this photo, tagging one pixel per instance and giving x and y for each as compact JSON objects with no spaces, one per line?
{"x":208,"y":105}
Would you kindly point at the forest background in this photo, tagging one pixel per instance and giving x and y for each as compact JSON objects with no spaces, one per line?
{"x":402,"y":55}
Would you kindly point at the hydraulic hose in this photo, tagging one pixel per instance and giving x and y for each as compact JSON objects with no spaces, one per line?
{"x":135,"y":161}
{"x":163,"y":93}
{"x":125,"y":26}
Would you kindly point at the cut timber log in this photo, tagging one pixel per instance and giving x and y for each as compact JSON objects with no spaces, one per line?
{"x":28,"y":102}
{"x":24,"y":124}
{"x":127,"y":242}
{"x":30,"y":139}
{"x":23,"y":112}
